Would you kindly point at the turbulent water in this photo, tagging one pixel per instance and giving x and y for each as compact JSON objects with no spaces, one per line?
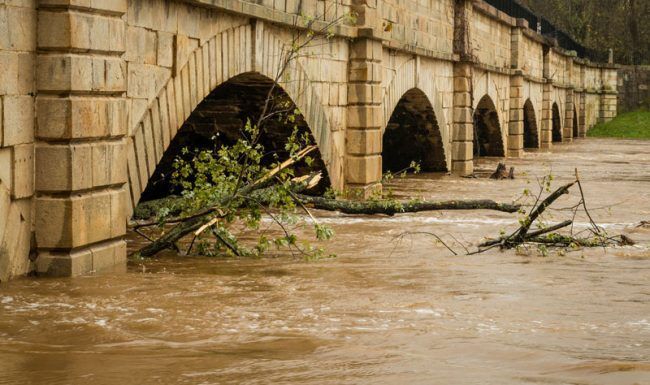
{"x":387,"y":310}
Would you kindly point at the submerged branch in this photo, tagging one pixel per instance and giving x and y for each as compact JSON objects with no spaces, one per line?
{"x":388,"y":207}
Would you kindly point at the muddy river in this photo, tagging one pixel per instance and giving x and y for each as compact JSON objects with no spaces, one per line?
{"x":382,"y":312}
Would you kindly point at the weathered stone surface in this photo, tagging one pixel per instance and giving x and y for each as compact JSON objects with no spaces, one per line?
{"x":103,"y":87}
{"x":79,"y":166}
{"x":79,"y":220}
{"x":18,"y":120}
{"x":66,"y":72}
{"x":80,"y":117}
{"x":99,"y":258}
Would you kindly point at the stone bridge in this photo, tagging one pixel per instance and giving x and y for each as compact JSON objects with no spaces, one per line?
{"x":92,"y":93}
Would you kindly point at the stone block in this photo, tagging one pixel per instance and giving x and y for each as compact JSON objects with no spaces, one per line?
{"x":53,"y":263}
{"x":462,"y":84}
{"x":165,"y":49}
{"x":141,"y":81}
{"x":80,"y":117}
{"x":366,"y":49}
{"x":141,"y":157}
{"x":516,"y":81}
{"x":363,"y":169}
{"x":364,"y":142}
{"x":462,"y":70}
{"x":5,"y":206}
{"x":462,"y":99}
{"x":18,"y":120}
{"x":463,"y":132}
{"x":80,"y":219}
{"x":463,"y":115}
{"x":140,"y":45}
{"x":364,"y":93}
{"x":462,"y":167}
{"x":515,"y":142}
{"x":365,"y":117}
{"x":171,"y":105}
{"x":17,"y":74}
{"x":516,"y":127}
{"x":462,"y":151}
{"x":66,"y":72}
{"x":80,"y":31}
{"x":17,"y":32}
{"x":184,"y":47}
{"x":365,"y":71}
{"x":192,"y":84}
{"x":117,"y":7}
{"x":14,"y":248}
{"x":157,"y":132}
{"x":79,"y":166}
{"x":516,"y":114}
{"x":22,"y":185}
{"x":6,"y":171}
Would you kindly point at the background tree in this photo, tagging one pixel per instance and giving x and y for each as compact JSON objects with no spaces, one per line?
{"x":623,"y":25}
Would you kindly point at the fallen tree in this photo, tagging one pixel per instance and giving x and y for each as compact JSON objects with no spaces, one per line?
{"x":548,"y":235}
{"x":392,"y":207}
{"x":186,"y":225}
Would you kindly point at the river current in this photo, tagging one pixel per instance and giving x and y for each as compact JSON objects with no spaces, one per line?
{"x":389,"y":309}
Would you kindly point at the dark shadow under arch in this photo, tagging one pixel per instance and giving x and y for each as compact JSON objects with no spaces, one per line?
{"x":557,"y":124}
{"x":413,"y":134}
{"x":219,"y":119}
{"x":487,"y":130}
{"x":531,"y":132}
{"x":575,"y":124}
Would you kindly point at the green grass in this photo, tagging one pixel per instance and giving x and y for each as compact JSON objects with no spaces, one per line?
{"x":630,"y":125}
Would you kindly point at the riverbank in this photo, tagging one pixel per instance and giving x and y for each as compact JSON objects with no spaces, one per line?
{"x":628,"y":125}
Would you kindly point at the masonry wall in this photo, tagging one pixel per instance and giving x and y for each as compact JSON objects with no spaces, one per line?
{"x":92,"y":93}
{"x":490,"y":40}
{"x":533,"y":57}
{"x":17,"y":66}
{"x":427,"y":25}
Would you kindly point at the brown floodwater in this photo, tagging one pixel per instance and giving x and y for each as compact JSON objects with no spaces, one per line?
{"x":382,"y":312}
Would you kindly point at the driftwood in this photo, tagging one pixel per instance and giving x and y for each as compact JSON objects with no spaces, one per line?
{"x":206,"y":218}
{"x":547,"y":235}
{"x":501,"y":173}
{"x":397,"y":207}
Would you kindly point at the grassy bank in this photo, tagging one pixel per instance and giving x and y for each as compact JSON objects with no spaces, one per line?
{"x":630,"y":125}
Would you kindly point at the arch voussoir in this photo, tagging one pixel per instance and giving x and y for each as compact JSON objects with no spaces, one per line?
{"x":220,"y":58}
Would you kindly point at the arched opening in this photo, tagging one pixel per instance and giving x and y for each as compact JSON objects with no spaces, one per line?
{"x":557,"y":124}
{"x":575,"y":123}
{"x":412,"y":134}
{"x":531,"y":134}
{"x":219,"y":120}
{"x":487,"y":130}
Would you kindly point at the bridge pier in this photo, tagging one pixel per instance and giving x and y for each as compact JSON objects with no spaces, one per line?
{"x":462,"y":156}
{"x":363,"y":167}
{"x":80,"y":163}
{"x":516,"y":124}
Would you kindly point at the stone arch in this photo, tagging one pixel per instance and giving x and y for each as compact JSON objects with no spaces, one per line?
{"x":556,"y":123}
{"x":531,"y":131}
{"x":213,"y":63}
{"x":488,"y":140}
{"x":411,"y":134}
{"x":407,"y":79}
